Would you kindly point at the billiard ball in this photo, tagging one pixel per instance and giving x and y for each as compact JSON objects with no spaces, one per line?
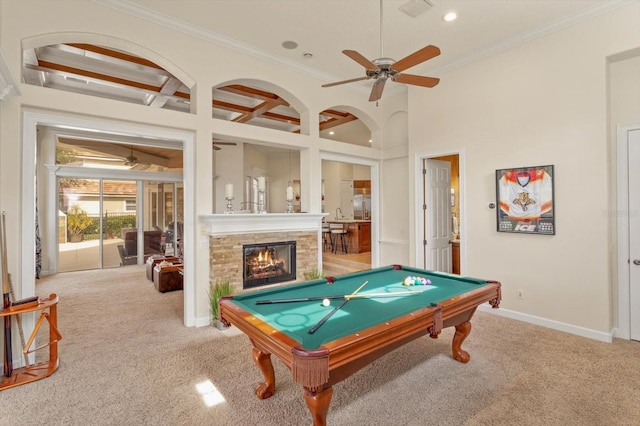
{"x":326,"y":302}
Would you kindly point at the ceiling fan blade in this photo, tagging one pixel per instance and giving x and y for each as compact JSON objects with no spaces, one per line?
{"x":360,"y":59}
{"x":417,"y":80}
{"x":415,"y":58}
{"x":376,"y":90}
{"x":344,"y":81}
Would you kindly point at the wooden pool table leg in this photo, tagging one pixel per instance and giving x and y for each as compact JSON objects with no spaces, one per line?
{"x":462,"y":331}
{"x":263,"y":361}
{"x":318,"y":403}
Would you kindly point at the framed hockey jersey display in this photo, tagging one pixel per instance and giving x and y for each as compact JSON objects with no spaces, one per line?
{"x":525,"y":200}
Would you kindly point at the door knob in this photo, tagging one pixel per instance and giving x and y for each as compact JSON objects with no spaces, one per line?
{"x":636,"y":261}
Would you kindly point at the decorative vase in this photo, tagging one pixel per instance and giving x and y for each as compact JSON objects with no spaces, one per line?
{"x":75,"y":237}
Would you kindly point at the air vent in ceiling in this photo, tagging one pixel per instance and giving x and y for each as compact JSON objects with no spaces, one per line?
{"x":415,"y":8}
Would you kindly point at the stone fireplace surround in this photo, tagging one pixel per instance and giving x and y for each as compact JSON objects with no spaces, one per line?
{"x":229,"y":232}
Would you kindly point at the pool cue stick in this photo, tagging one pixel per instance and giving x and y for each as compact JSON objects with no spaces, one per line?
{"x":6,"y":301}
{"x":18,"y":320}
{"x":297,"y":299}
{"x":334,"y":310}
{"x":342,"y":296}
{"x":375,"y":295}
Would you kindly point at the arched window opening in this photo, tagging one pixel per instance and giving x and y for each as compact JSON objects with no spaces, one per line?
{"x":252,"y":105}
{"x":104,"y":72}
{"x":343,"y":126}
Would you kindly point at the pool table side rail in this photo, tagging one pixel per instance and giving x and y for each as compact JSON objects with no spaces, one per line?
{"x":340,"y":358}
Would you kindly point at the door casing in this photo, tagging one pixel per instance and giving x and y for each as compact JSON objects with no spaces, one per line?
{"x":418,"y":217}
{"x":623,"y":329}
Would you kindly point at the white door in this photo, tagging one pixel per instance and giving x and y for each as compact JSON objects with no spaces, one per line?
{"x":633,"y":139}
{"x":346,"y":200}
{"x":437,"y":210}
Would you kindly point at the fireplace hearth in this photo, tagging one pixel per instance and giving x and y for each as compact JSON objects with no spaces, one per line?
{"x":268,"y":263}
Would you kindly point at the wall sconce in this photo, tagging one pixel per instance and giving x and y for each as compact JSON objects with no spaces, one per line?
{"x":453,"y":197}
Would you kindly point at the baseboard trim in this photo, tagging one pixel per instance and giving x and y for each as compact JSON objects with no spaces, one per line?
{"x":202,"y":321}
{"x":555,"y":325}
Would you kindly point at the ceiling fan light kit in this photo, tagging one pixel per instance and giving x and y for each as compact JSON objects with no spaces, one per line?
{"x":384,"y":68}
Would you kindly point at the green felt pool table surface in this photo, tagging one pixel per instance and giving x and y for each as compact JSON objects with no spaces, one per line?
{"x":296,"y":318}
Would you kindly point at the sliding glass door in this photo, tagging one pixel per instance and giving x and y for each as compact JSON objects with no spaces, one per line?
{"x":78,"y":224}
{"x":105,"y":223}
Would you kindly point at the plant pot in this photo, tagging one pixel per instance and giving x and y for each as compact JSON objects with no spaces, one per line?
{"x":75,"y":238}
{"x":218,"y":324}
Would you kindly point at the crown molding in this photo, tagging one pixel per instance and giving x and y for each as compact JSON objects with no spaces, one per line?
{"x":238,"y":46}
{"x":216,"y":38}
{"x":542,"y":31}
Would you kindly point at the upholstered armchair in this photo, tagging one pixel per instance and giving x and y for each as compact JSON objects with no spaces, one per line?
{"x":129,"y":250}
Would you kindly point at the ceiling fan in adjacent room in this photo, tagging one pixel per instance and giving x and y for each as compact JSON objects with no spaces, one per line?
{"x":130,"y":160}
{"x":383,"y":69}
{"x":133,"y":162}
{"x":216,"y":142}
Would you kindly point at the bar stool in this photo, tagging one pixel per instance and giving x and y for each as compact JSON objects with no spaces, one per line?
{"x":326,"y":236}
{"x":338,"y":230}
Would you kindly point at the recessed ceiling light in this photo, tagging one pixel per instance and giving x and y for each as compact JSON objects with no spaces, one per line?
{"x":307,"y":55}
{"x":289,"y":44}
{"x":450,"y":16}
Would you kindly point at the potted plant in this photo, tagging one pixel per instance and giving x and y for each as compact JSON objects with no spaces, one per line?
{"x":216,"y":291}
{"x":77,"y":221}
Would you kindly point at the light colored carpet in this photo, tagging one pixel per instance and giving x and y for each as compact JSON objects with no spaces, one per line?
{"x":126,"y":359}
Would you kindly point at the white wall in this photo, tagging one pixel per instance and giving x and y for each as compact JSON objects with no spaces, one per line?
{"x":544,"y":102}
{"x":394,"y":208}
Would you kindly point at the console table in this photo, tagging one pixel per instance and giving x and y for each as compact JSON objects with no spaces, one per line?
{"x":38,"y":371}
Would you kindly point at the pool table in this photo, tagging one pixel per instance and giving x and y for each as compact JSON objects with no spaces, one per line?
{"x":323,"y":337}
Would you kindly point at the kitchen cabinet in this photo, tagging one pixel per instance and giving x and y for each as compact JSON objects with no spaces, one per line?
{"x":359,"y":237}
{"x":455,"y":257}
{"x":361,"y":184}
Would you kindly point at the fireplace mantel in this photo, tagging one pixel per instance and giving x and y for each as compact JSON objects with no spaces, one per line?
{"x":230,"y":224}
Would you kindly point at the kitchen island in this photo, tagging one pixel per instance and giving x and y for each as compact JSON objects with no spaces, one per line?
{"x":358,"y":234}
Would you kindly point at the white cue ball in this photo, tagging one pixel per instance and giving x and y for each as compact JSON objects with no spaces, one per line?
{"x":326,"y":302}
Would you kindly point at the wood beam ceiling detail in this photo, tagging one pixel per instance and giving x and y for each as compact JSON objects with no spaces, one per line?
{"x":169,"y":89}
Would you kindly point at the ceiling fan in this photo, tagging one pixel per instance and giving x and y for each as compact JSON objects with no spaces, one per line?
{"x":216,"y":142}
{"x":383,"y":69}
{"x":135,"y":164}
{"x":130,"y":160}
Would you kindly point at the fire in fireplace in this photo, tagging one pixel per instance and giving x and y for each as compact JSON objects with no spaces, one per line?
{"x":269,"y":263}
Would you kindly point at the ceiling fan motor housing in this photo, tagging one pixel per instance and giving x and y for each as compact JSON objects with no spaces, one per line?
{"x":382,"y":62}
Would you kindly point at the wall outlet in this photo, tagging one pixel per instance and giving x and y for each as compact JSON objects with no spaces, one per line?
{"x":520,"y":295}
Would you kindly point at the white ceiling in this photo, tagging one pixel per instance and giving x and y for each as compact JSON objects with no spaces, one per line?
{"x":326,"y":27}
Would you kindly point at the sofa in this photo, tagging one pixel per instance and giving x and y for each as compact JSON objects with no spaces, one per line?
{"x":153,"y":244}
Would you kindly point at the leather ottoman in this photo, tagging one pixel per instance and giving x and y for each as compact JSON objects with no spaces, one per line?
{"x":152,"y":261}
{"x":167,"y":278}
